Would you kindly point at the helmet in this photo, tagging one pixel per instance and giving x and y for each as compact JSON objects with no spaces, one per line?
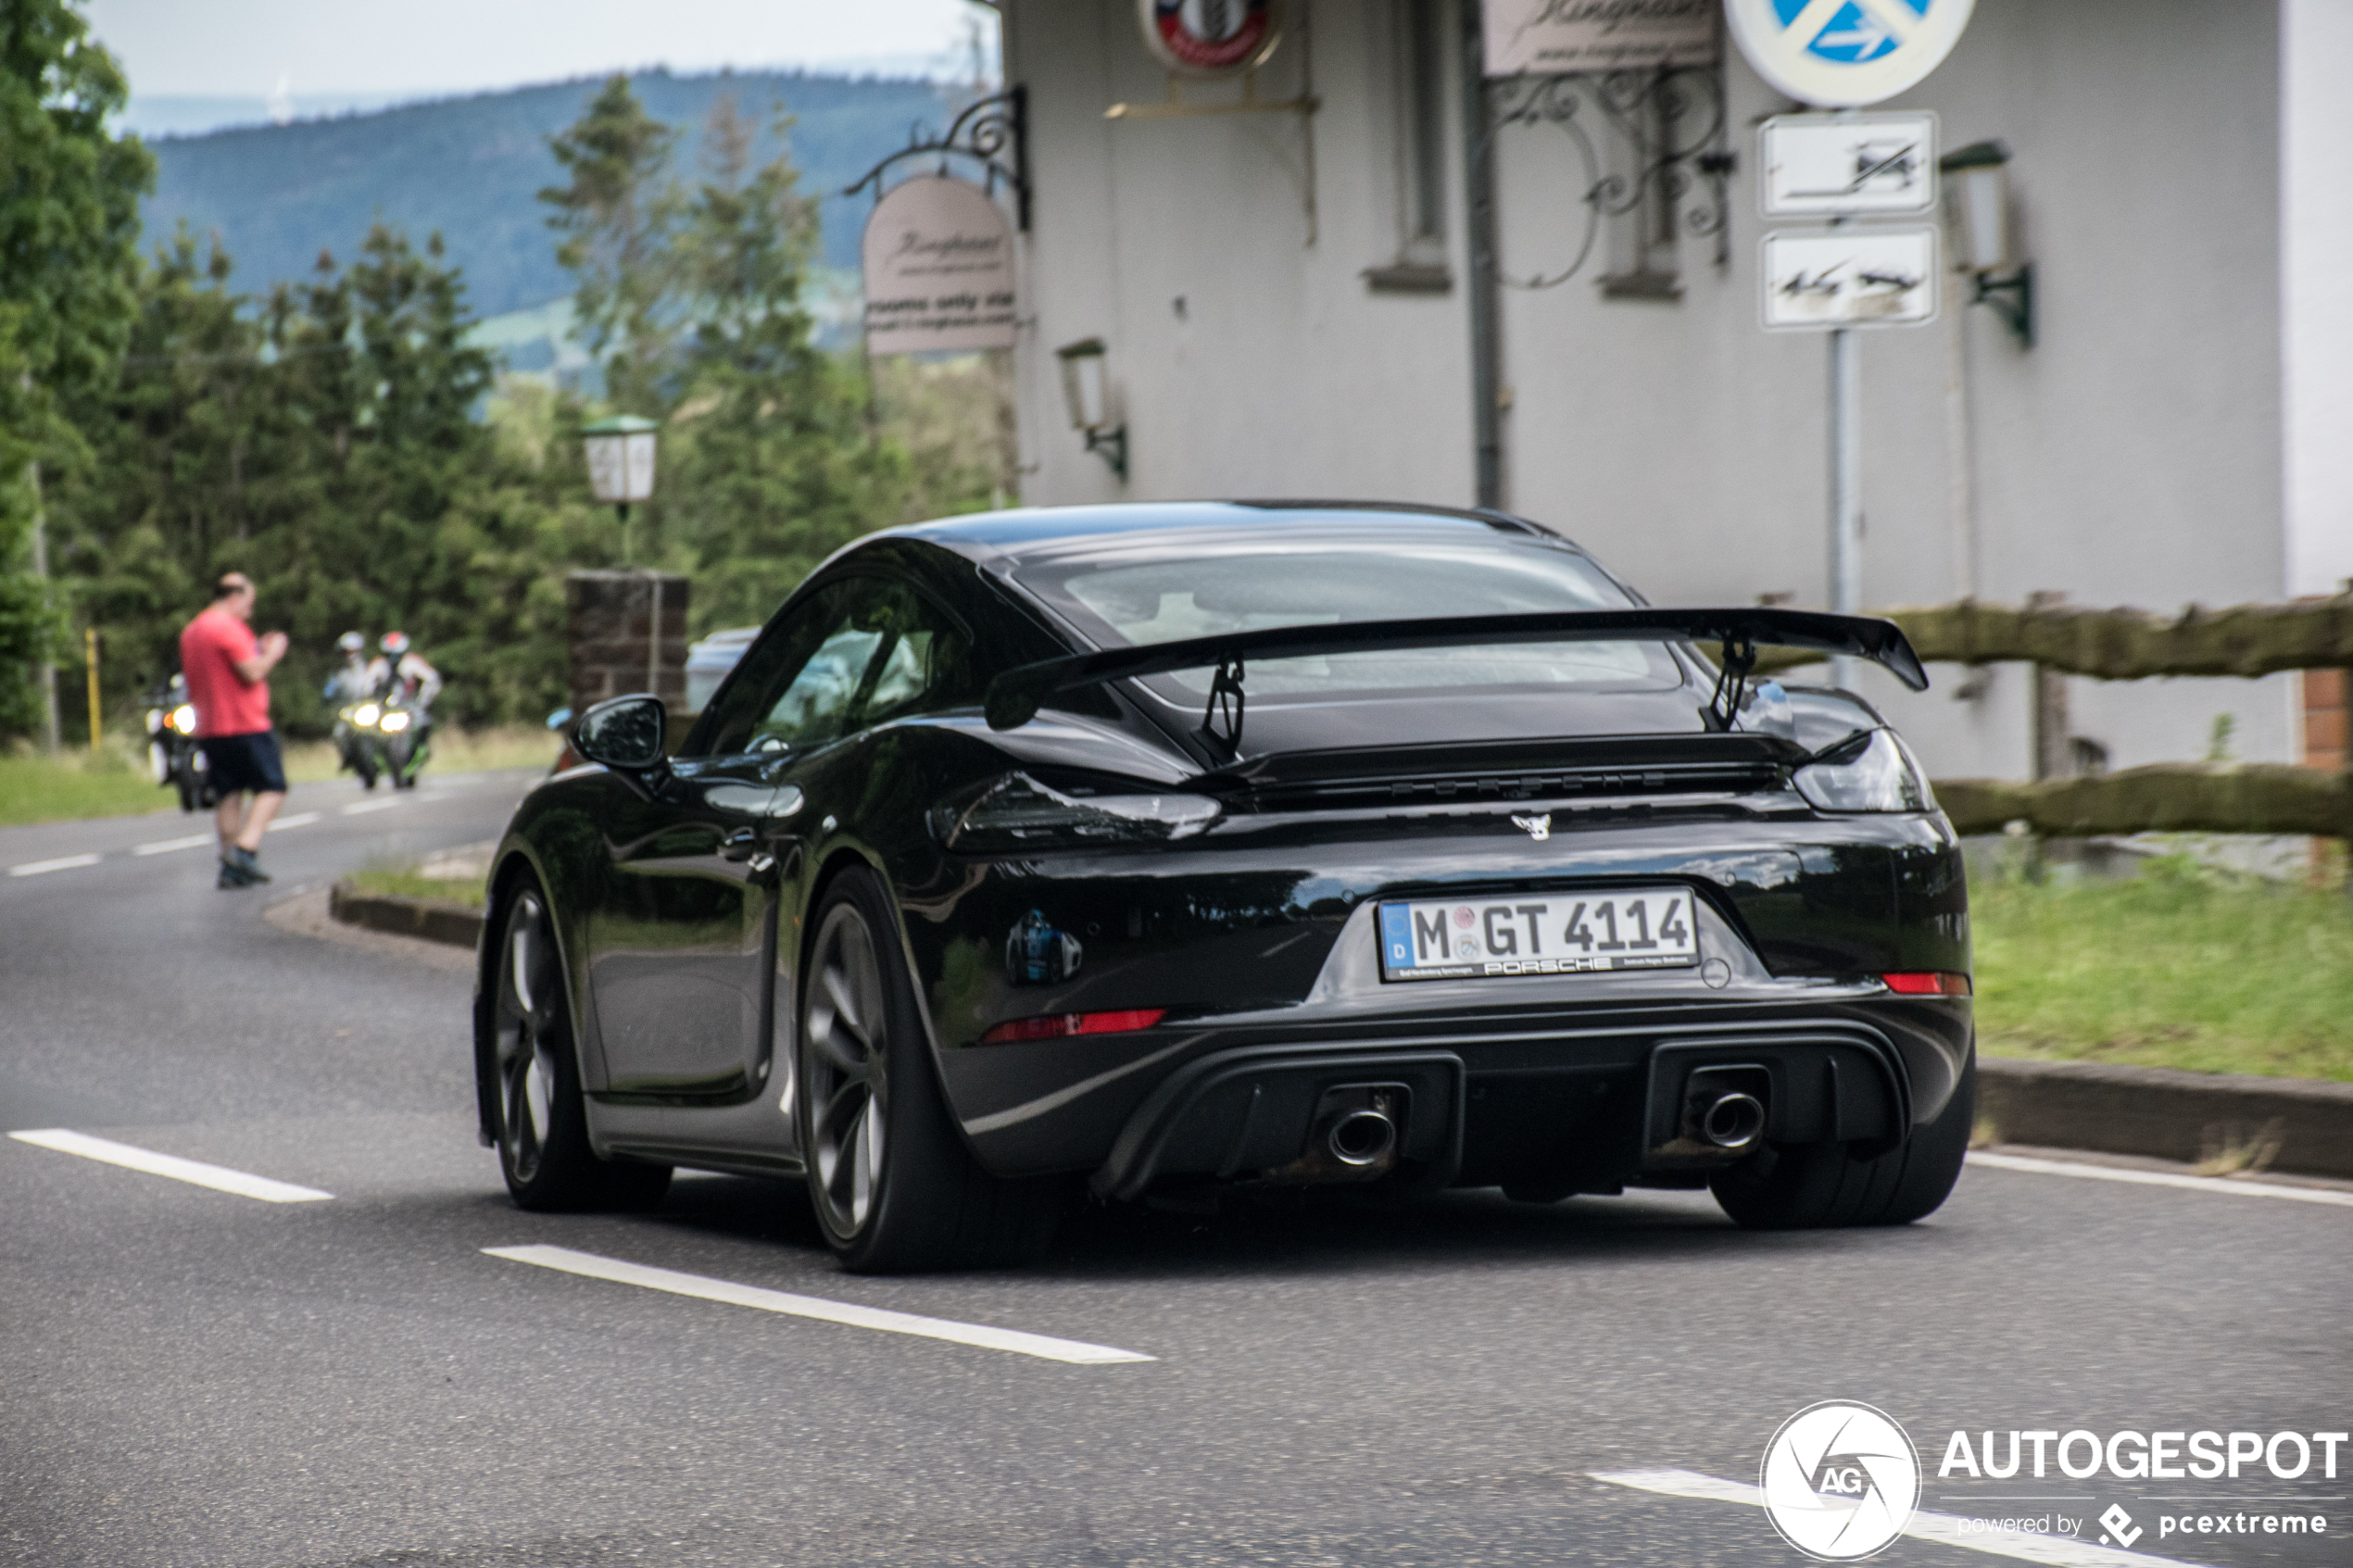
{"x":395,"y":642}
{"x":351,"y":642}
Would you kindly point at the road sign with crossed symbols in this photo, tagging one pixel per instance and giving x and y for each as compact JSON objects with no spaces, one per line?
{"x":1844,"y":53}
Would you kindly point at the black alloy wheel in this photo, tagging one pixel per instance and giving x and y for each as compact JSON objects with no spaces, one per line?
{"x":543,"y":1128}
{"x":894,"y":1187}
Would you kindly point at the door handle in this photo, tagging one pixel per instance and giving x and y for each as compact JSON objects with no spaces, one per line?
{"x":740,"y":844}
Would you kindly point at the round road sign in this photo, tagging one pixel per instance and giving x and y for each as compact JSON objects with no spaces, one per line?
{"x":1841,"y":54}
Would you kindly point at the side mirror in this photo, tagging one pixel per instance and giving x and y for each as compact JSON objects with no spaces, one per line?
{"x":625,"y":734}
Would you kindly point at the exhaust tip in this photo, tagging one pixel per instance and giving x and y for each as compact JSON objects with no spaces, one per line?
{"x":1733,"y":1121}
{"x":1362,"y":1138}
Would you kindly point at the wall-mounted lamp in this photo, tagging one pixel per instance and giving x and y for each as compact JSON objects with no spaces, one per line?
{"x":1087,"y":389}
{"x":1977,"y":189}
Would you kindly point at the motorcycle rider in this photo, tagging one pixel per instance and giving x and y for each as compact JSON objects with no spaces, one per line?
{"x":352,"y":682}
{"x":401,"y":675}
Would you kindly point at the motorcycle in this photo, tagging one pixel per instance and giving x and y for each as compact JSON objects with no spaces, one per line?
{"x":406,"y":728}
{"x":359,"y":740}
{"x":173,"y":757}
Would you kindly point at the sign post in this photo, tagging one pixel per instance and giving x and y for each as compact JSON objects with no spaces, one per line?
{"x":1841,"y":167}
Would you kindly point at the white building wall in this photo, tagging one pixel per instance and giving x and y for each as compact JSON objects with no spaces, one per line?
{"x":2316,"y":61}
{"x":2132,"y":457}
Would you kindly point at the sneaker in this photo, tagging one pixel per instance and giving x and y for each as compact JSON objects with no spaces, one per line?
{"x":231,"y":877}
{"x":247,"y":865}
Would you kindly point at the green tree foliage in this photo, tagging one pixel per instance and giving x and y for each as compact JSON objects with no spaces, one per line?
{"x":775,"y":453}
{"x":617,"y":219}
{"x":69,"y":230}
{"x":323,"y":441}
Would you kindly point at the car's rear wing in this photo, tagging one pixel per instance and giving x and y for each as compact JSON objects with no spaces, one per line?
{"x":1015,"y":696}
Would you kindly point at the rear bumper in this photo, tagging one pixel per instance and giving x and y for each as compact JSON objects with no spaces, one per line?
{"x":1583,"y":1102}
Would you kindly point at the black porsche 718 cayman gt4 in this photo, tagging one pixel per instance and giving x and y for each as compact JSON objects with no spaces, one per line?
{"x":1162,"y":852}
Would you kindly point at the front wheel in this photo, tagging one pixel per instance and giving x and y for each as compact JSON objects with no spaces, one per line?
{"x":1810,"y":1186}
{"x":893,"y":1185}
{"x":543,"y":1122}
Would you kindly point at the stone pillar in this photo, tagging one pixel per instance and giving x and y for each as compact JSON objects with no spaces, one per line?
{"x":612,"y":637}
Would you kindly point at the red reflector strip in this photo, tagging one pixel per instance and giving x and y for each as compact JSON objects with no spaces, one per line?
{"x":1054,"y":1025}
{"x":1929,"y":985}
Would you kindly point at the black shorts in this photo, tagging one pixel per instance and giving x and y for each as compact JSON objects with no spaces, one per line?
{"x":238,"y":764}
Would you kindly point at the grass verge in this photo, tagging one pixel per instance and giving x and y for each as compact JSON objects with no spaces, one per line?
{"x":74,"y":785}
{"x":2179,"y":967}
{"x":406,"y":884}
{"x":454,"y":751}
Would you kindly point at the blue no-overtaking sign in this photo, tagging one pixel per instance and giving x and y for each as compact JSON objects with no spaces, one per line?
{"x":1844,"y":53}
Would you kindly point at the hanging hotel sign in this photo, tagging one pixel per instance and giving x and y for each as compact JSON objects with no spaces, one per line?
{"x":1551,"y":37}
{"x":1210,"y":38}
{"x":939,"y":268}
{"x":1845,"y":54}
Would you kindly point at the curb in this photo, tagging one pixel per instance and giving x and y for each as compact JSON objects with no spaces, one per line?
{"x":435,"y":920}
{"x":2167,"y":1114}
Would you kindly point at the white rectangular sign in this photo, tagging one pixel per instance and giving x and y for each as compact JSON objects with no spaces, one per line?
{"x":1816,"y":279}
{"x":1847,"y":165}
{"x":1548,"y":37}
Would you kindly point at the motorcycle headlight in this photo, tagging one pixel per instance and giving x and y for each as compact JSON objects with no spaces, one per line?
{"x":1870,"y":771}
{"x":155,"y":719}
{"x":395,"y":723}
{"x":366,"y":714}
{"x":1017,"y":813}
{"x":183,"y":719}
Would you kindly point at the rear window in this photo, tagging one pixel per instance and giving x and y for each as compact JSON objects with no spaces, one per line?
{"x":1123,"y":602}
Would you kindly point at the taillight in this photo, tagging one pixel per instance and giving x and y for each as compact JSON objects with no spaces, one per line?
{"x":1931,"y":982}
{"x":1055,"y":1025}
{"x":1016,"y":813}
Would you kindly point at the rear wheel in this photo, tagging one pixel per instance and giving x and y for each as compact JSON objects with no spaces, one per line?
{"x":542,"y":1122}
{"x":894,"y":1187}
{"x":1810,"y":1186}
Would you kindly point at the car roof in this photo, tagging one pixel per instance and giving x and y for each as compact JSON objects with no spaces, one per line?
{"x":1033,"y":531}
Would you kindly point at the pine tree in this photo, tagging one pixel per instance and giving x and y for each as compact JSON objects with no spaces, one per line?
{"x":68,"y":231}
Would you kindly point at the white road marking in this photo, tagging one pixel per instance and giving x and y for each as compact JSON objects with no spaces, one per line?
{"x":299,"y":820}
{"x":2161,"y":1179}
{"x":63,"y":863}
{"x":988,"y":1339}
{"x":361,"y":808}
{"x":165,"y":845}
{"x":218,"y":1177}
{"x":2061,"y":1551}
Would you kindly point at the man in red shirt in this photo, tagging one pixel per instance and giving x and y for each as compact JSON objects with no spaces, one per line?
{"x":227,"y":670}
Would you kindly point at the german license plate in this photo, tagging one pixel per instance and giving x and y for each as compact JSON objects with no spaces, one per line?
{"x":1562,"y":933}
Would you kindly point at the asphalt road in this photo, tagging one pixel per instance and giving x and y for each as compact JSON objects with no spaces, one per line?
{"x":194,"y":1376}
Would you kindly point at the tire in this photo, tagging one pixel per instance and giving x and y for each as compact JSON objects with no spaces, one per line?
{"x":534,"y":1080}
{"x":1811,"y":1186}
{"x":895,"y":1189}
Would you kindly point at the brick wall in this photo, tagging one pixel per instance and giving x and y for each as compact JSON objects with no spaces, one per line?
{"x":2324,"y":719}
{"x":610,"y":627}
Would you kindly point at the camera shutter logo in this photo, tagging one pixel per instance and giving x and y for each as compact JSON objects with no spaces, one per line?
{"x":1840,"y":1481}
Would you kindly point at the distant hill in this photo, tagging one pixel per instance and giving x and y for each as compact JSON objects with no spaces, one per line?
{"x":471,"y":167}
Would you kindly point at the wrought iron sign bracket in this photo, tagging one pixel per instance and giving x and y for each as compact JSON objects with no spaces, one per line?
{"x":992,"y":132}
{"x":1643,"y":109}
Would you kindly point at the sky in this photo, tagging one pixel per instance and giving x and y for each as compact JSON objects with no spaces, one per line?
{"x":318,"y":54}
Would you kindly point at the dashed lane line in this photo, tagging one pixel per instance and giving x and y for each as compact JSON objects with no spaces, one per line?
{"x":569,"y":1262}
{"x":2161,"y":1179}
{"x":63,"y":863}
{"x":193,"y":1172}
{"x":299,"y":820}
{"x":361,"y":808}
{"x":1945,"y":1529}
{"x":165,"y":845}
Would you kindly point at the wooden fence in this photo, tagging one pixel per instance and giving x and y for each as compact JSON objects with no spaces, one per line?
{"x":2130,"y":644}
